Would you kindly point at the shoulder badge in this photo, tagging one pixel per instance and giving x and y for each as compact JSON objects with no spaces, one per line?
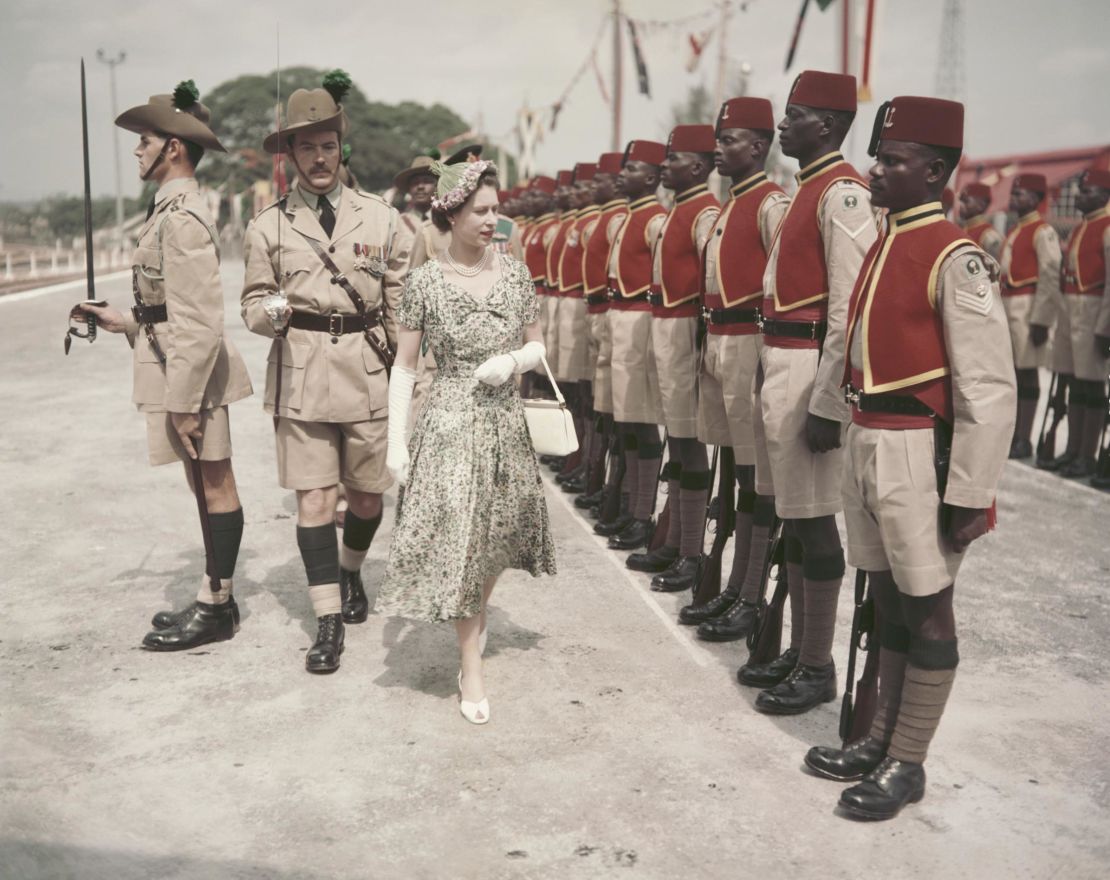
{"x":850,"y":201}
{"x":973,"y":266}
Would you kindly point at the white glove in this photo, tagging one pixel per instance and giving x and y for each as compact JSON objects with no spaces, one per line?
{"x":498,"y":369}
{"x":401,"y":383}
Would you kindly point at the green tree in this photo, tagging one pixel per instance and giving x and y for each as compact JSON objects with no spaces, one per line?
{"x":383,"y":137}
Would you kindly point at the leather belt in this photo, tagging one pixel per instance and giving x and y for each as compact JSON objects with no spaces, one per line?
{"x":337,"y":323}
{"x":597,"y":299}
{"x":656,"y":299}
{"x":616,"y":296}
{"x":813,"y":330}
{"x":893,"y":404}
{"x":730,"y":316}
{"x":150,"y":314}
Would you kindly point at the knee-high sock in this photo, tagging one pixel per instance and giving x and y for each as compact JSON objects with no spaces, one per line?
{"x":693,"y":497}
{"x":319,"y":548}
{"x":930,"y":672}
{"x":227,"y":535}
{"x":796,"y":590}
{"x":823,"y":575}
{"x":358,"y":534}
{"x":741,"y":540}
{"x":673,"y":472}
{"x":647,"y":479}
{"x":894,"y":642}
{"x":763,"y":520}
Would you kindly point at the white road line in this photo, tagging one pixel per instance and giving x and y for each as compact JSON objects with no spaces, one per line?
{"x":697,"y":653}
{"x":76,"y":284}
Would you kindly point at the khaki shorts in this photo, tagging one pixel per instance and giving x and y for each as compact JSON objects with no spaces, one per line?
{"x":1026,"y":356}
{"x":315,"y":455}
{"x":574,"y":342}
{"x":1075,"y":351}
{"x":635,"y":385}
{"x":805,"y":484}
{"x":892,"y":510}
{"x":725,"y":393}
{"x":164,"y":446}
{"x":601,"y":356}
{"x":674,"y":341}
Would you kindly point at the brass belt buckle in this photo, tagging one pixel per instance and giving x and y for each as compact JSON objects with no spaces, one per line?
{"x":813,"y":331}
{"x":760,"y":322}
{"x":335,"y":324}
{"x":851,"y":395}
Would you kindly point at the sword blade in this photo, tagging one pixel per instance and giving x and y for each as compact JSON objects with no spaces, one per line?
{"x":90,"y":285}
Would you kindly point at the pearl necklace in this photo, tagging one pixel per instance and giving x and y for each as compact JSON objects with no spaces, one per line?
{"x":468,"y":271}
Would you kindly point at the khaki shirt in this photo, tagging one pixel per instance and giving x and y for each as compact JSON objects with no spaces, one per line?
{"x":176,"y":262}
{"x":1047,"y":298}
{"x":322,"y":380}
{"x":848,"y":230}
{"x":771,"y":212}
{"x":412,"y":228}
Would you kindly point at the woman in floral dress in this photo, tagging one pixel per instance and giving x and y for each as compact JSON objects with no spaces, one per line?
{"x":473,"y":502}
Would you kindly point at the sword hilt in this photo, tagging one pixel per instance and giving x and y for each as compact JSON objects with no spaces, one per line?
{"x":90,"y":322}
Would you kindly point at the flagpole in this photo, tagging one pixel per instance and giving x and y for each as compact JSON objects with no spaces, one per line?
{"x":722,"y":56}
{"x":618,"y":79}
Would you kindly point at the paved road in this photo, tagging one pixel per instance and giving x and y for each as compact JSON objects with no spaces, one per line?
{"x":618,"y":745}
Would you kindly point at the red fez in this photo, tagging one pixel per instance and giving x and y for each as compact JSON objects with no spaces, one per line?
{"x":651,"y":152}
{"x":517,"y":190}
{"x":978,"y":191}
{"x":543,"y":184}
{"x":692,"y":139}
{"x":751,"y":113}
{"x":564,"y":178}
{"x":1097,"y":177}
{"x":610,"y":163}
{"x":827,"y":91}
{"x":584,"y":171}
{"x":931,"y":121}
{"x":502,"y":196}
{"x":1034,"y":182}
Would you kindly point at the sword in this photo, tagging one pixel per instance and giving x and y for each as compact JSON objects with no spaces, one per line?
{"x":90,"y":284}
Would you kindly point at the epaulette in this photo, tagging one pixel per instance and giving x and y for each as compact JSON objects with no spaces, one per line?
{"x":369,"y":195}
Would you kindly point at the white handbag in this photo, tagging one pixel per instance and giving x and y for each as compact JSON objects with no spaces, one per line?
{"x":549,"y":422}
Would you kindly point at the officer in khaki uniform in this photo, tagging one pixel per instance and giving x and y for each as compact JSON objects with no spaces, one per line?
{"x":1031,"y":296}
{"x":327,"y":372}
{"x":928,"y":375}
{"x":185,"y":372}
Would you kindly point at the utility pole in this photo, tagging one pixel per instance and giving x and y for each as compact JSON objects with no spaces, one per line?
{"x":618,"y":79}
{"x":112,"y":62}
{"x":722,"y":56}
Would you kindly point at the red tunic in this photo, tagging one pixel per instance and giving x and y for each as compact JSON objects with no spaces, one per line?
{"x":595,"y":259}
{"x":895,"y":296}
{"x":634,"y":254}
{"x":535,"y":254}
{"x":680,"y":258}
{"x":570,"y":262}
{"x":740,"y":256}
{"x":556,"y":250}
{"x":976,"y":231}
{"x":1019,"y":278}
{"x":1085,"y":242}
{"x":801,"y":277}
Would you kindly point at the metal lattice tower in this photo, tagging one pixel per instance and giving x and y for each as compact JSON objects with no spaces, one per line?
{"x":951,"y":81}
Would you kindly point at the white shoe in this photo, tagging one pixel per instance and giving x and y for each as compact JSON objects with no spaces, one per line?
{"x":475,"y":713}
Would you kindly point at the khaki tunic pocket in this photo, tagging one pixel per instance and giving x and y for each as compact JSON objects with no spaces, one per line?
{"x":294,"y":358}
{"x":377,"y":383}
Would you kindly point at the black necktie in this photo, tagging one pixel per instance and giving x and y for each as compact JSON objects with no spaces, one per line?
{"x":150,"y":208}
{"x":327,"y":215}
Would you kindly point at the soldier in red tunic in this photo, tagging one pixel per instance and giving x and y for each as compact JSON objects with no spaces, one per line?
{"x":975,"y":201}
{"x":676,"y":308}
{"x":932,"y":391}
{"x":564,"y":201}
{"x":1031,"y":297}
{"x":637,"y":409}
{"x":545,"y":221}
{"x":800,"y":409}
{"x":733,"y":265}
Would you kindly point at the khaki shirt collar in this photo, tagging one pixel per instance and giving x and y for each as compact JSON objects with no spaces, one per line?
{"x":313,"y":199}
{"x":174,"y":187}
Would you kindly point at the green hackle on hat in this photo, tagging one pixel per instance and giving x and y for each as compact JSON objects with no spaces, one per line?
{"x":337,"y":83}
{"x":185,"y":95}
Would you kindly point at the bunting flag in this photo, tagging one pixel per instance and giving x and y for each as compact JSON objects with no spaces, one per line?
{"x":797,"y":35}
{"x":638,"y":56}
{"x":698,"y":42}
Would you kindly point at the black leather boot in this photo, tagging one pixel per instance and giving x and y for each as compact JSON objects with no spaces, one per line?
{"x":680,"y":576}
{"x":1080,"y":468}
{"x":804,"y":689}
{"x":854,"y":761}
{"x":584,"y":502}
{"x":204,"y":623}
{"x":323,"y":656}
{"x":1054,"y":464}
{"x":652,"y":561}
{"x":355,"y":604}
{"x":732,"y":626}
{"x":766,"y":675}
{"x":608,"y":529}
{"x":170,"y":619}
{"x":562,"y":479}
{"x":575,"y":485}
{"x":635,"y":535}
{"x":715,"y":607}
{"x":885,"y":790}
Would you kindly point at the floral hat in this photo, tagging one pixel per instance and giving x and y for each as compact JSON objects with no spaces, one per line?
{"x":457,"y":182}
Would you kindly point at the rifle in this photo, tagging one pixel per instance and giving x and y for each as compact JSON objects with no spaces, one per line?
{"x":610,"y":507}
{"x":90,"y":285}
{"x":1058,"y":406}
{"x":855,"y":718}
{"x":663,"y":522}
{"x":765,"y":639}
{"x":708,"y":584}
